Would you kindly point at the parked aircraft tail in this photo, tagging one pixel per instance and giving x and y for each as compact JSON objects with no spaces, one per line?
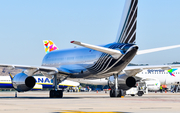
{"x":49,"y":46}
{"x":127,"y":28}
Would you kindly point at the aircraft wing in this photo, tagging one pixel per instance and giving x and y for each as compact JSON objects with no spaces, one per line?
{"x":30,"y":70}
{"x":133,"y":70}
{"x":156,"y":49}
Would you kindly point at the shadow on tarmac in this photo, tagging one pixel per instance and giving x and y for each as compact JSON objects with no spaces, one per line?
{"x":38,"y":98}
{"x":49,"y":98}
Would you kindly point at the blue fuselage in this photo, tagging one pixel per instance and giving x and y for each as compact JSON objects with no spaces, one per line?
{"x":88,"y":63}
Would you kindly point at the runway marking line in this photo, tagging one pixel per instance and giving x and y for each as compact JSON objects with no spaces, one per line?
{"x":72,"y":111}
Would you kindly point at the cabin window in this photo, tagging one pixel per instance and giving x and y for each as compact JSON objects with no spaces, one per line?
{"x":79,"y":57}
{"x":61,"y":59}
{"x":90,"y":56}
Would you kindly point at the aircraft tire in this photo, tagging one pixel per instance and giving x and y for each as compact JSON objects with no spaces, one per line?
{"x":112,"y":93}
{"x":140,"y":93}
{"x":120,"y":93}
{"x":56,"y":94}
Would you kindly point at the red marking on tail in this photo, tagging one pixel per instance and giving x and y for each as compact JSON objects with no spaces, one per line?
{"x":46,"y":44}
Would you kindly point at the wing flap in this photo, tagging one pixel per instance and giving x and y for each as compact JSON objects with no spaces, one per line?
{"x":40,"y":68}
{"x":32,"y":69}
{"x":133,"y":72}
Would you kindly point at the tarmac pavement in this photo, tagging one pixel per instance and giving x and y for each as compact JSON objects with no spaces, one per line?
{"x":39,"y":102}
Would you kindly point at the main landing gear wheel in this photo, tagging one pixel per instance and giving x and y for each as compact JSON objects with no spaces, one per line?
{"x":116,"y":92}
{"x":112,"y":93}
{"x":56,"y":94}
{"x":140,"y":93}
{"x":119,"y":93}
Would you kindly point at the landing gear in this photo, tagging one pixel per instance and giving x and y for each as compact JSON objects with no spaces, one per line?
{"x":112,"y":93}
{"x":119,"y":93}
{"x":55,"y":93}
{"x":140,"y":93}
{"x":116,"y":85}
{"x":16,"y":94}
{"x":115,"y":92}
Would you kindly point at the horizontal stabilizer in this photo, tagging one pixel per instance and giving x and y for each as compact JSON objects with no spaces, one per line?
{"x":114,"y":53}
{"x":156,"y":49}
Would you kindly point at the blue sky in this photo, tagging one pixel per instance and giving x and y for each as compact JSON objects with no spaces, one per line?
{"x":24,"y":24}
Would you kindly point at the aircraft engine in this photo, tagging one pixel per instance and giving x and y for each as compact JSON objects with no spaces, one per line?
{"x":130,"y":81}
{"x":124,"y":82}
{"x":22,"y":82}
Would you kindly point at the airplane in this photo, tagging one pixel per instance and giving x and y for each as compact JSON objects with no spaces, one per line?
{"x":41,"y":82}
{"x":89,"y":61}
{"x":153,"y":76}
{"x":156,"y":77}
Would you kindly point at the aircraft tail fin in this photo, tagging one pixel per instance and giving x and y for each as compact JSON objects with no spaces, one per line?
{"x":49,"y":46}
{"x":127,"y":28}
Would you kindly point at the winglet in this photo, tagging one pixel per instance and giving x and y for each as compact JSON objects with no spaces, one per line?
{"x":72,"y":41}
{"x":11,"y":76}
{"x":49,"y":46}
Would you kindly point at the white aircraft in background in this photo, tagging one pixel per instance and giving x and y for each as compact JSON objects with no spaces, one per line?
{"x":41,"y":82}
{"x":153,"y":76}
{"x":156,"y":77}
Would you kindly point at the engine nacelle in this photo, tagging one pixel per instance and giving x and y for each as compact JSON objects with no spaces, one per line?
{"x":22,"y":82}
{"x":130,"y":81}
{"x":124,"y":82}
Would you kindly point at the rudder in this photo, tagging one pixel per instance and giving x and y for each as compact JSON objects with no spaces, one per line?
{"x":127,"y":28}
